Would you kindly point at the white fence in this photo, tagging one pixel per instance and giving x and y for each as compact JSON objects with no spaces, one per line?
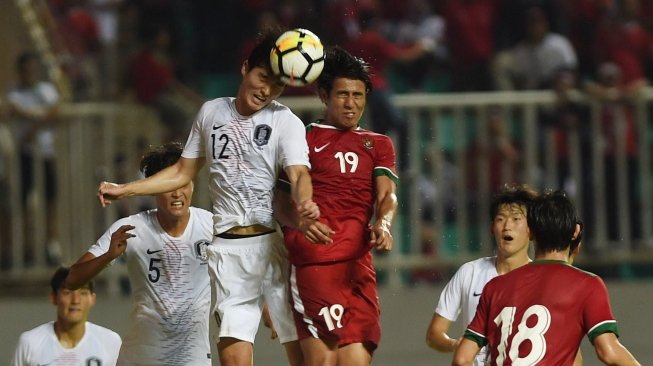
{"x":460,"y":148}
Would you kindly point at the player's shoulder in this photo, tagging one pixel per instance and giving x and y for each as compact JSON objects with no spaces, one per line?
{"x":480,"y":263}
{"x":202,"y":215}
{"x":37,"y":332}
{"x":102,"y":332}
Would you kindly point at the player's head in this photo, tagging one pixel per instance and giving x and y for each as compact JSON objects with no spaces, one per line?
{"x":28,"y":67}
{"x":259,"y":86}
{"x":172,"y":204}
{"x":508,"y":212}
{"x":73,"y":306}
{"x":343,"y":86}
{"x":553,"y":221}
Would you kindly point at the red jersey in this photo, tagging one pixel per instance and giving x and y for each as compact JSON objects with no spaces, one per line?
{"x":344,"y":165}
{"x":538,"y":314}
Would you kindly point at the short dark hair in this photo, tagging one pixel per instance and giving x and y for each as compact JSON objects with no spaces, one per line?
{"x":339,"y":63}
{"x":512,"y":193}
{"x":160,"y":157}
{"x":552,"y":219}
{"x":58,"y":280}
{"x":260,"y":54}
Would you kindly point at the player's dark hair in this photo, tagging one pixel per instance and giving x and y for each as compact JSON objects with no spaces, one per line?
{"x":339,"y":63}
{"x":519,"y":194}
{"x":552,"y":219}
{"x":58,"y":280}
{"x":260,"y":55}
{"x":160,"y":157}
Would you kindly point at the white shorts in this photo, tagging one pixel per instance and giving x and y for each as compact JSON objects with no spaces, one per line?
{"x":245,"y":274}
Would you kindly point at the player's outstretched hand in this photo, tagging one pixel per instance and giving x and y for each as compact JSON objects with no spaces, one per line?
{"x":108,"y":192}
{"x":308,"y":210}
{"x":381,"y":237}
{"x":316,"y":232}
{"x":118,"y":243}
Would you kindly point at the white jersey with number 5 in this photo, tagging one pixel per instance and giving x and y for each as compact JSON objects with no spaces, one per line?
{"x":245,"y":155}
{"x":170,"y":290}
{"x":463,"y":292}
{"x":98,"y":347}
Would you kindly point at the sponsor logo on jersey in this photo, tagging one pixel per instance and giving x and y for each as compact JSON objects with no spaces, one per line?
{"x":150,"y":251}
{"x":318,"y":149}
{"x":262,"y":134}
{"x":200,"y":250}
{"x":477,"y":294}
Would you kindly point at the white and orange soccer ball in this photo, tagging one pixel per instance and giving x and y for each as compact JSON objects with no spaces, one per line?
{"x":297,"y":57}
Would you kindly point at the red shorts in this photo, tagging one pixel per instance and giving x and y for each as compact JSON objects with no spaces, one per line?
{"x":337,"y":302}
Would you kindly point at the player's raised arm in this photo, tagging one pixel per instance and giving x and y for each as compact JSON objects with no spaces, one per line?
{"x":173,"y":177}
{"x":301,"y":191}
{"x":88,"y":265}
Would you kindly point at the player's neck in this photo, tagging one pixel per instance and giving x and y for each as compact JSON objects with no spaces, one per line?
{"x":173,"y":225}
{"x":69,"y":334}
{"x":562,"y":255}
{"x":504,"y":265}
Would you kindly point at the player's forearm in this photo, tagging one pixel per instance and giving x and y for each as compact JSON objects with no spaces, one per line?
{"x":166,"y":180}
{"x":284,"y":211}
{"x":84,"y":271}
{"x":301,"y":188}
{"x":386,"y":208}
{"x":441,"y":342}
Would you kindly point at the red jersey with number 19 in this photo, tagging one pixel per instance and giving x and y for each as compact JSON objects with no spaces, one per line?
{"x":538,"y":314}
{"x":344,"y":167}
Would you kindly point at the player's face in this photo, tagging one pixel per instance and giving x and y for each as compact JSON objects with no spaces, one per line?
{"x":510,"y":230}
{"x":73,"y":306}
{"x":345,"y":104}
{"x":175,"y":204}
{"x":258,"y":88}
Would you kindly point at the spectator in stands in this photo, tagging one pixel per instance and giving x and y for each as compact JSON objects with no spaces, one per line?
{"x":618,"y":132}
{"x":533,"y":62}
{"x":372,"y":46}
{"x":70,"y":339}
{"x":152,"y":76}
{"x":34,"y":105}
{"x":470,"y":33}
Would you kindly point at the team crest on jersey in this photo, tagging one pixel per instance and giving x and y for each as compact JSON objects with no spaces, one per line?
{"x":262,"y":134}
{"x":200,"y":250}
{"x":368,"y":143}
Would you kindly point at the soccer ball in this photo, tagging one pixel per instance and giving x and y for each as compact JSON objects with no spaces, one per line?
{"x":297,"y":57}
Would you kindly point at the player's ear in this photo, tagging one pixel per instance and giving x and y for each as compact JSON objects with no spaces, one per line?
{"x":245,"y":68}
{"x":53,"y":298}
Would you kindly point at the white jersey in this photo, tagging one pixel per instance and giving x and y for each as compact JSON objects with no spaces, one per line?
{"x":463,"y":292}
{"x":170,"y":290}
{"x":245,"y":156}
{"x":98,"y":347}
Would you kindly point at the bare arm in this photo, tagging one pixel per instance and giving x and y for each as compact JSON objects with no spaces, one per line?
{"x":611,"y":352}
{"x":437,"y":337}
{"x":386,"y":207}
{"x":301,"y":191}
{"x":465,"y":353}
{"x":578,"y":361}
{"x":173,"y":177}
{"x":88,"y":266}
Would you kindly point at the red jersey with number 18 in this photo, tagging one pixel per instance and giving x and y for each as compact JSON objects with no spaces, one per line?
{"x":344,"y":167}
{"x":538,"y":314}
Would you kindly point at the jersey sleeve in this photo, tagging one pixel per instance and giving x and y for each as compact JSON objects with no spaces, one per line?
{"x":597,"y":313}
{"x":293,"y":148}
{"x":22,"y":353}
{"x":477,"y":329}
{"x":194,"y":147}
{"x":450,"y":302}
{"x":385,"y":163}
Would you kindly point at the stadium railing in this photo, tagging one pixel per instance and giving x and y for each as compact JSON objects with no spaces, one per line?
{"x":460,"y":149}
